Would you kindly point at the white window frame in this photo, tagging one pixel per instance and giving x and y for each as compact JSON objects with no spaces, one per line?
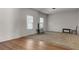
{"x":41,"y":22}
{"x":29,"y":22}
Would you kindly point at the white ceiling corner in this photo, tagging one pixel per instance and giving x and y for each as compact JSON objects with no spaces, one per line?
{"x":51,"y":11}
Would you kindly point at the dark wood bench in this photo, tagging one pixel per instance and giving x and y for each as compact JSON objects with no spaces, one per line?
{"x":66,"y":30}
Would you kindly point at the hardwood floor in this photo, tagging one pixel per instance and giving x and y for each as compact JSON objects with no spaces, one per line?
{"x":66,"y":40}
{"x":28,"y":44}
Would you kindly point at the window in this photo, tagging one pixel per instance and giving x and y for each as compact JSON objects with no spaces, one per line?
{"x":41,"y":22}
{"x":29,"y":22}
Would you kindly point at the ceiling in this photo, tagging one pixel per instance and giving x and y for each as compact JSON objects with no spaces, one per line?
{"x":52,"y":11}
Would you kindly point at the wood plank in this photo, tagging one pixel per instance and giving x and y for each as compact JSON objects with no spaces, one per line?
{"x":27,"y":44}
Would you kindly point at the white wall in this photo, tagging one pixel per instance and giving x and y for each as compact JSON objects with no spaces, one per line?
{"x":7,"y":18}
{"x":78,"y":20}
{"x":65,"y":19}
{"x":36,"y":15}
{"x":2,"y":24}
{"x":13,"y":22}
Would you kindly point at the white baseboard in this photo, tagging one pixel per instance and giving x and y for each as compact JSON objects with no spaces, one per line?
{"x":9,"y":37}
